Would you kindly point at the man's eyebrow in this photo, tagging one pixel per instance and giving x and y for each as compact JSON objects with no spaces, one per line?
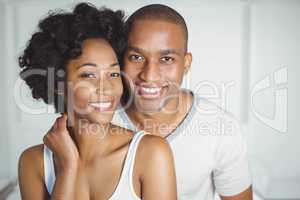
{"x":136,"y":49}
{"x":114,"y":64}
{"x":162,"y":52}
{"x":170,"y":51}
{"x":95,"y":65}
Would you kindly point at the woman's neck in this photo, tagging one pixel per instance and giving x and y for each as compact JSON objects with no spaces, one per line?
{"x":91,"y":139}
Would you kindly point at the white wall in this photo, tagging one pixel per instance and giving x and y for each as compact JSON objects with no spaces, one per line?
{"x":3,"y":134}
{"x":275,"y":44}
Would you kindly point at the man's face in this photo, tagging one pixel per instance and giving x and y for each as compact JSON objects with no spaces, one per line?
{"x":155,"y":61}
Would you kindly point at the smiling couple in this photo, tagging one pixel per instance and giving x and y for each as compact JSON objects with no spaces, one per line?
{"x":128,"y":131}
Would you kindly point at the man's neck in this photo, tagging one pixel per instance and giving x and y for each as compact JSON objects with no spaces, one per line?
{"x":163,"y":123}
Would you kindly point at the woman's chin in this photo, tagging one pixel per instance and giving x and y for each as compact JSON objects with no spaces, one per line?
{"x":95,"y":116}
{"x":103,"y":118}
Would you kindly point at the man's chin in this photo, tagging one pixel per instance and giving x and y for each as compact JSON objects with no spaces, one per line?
{"x":148,"y":106}
{"x":153,"y":106}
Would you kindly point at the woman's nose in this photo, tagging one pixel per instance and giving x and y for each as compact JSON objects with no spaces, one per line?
{"x":104,"y":85}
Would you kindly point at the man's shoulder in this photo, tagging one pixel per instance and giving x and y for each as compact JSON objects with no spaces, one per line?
{"x":208,"y":118}
{"x":207,"y":108}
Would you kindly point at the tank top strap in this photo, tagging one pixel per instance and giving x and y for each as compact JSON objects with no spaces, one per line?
{"x":132,"y":152}
{"x":49,"y":172}
{"x":127,"y":172}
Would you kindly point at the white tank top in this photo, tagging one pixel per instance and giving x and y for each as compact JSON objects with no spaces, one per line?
{"x":124,"y":189}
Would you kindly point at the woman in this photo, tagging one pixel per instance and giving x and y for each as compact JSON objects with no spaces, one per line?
{"x":84,"y":156}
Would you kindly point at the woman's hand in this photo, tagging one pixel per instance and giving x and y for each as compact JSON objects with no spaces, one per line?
{"x":59,"y":141}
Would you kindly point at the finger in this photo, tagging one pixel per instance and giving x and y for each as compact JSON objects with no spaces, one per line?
{"x":47,"y":143}
{"x":53,"y":128}
{"x":65,"y":114}
{"x":65,"y":117}
{"x":62,"y":123}
{"x":55,"y":125}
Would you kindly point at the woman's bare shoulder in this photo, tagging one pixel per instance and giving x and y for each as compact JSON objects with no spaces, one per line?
{"x":31,"y":159}
{"x":154,"y":162}
{"x":152,"y":146}
{"x":31,"y":173}
{"x":153,"y":151}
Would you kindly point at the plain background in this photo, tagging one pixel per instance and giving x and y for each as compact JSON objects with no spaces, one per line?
{"x":249,"y":47}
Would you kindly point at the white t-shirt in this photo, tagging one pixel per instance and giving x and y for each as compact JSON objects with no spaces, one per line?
{"x":209,"y":152}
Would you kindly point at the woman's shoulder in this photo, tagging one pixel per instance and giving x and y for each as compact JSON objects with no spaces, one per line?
{"x":33,"y":152}
{"x":152,"y":146}
{"x":153,"y":151}
{"x":154,"y":158}
{"x":32,"y":159}
{"x":31,"y":173}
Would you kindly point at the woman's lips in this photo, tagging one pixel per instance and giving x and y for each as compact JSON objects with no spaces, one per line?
{"x":101,"y":105}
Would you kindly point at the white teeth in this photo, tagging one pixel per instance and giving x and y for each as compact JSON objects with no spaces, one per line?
{"x":151,"y":90}
{"x":101,"y":104}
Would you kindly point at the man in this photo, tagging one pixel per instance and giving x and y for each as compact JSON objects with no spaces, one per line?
{"x":209,"y":151}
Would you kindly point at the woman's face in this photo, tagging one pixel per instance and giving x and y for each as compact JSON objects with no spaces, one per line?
{"x":94,"y":82}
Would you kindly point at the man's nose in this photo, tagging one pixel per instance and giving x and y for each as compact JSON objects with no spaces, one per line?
{"x":150,"y":72}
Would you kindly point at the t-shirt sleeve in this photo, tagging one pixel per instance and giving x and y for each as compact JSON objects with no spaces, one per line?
{"x":231,"y":174}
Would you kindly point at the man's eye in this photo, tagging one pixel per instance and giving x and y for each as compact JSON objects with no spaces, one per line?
{"x":167,"y":59}
{"x":88,"y":75}
{"x":136,"y":58}
{"x":115,"y":74}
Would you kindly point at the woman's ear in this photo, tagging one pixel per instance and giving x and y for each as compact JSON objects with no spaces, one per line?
{"x":188,"y":58}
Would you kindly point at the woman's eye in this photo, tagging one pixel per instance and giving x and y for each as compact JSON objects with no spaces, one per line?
{"x":88,"y":75}
{"x":167,"y":59}
{"x":115,"y":74}
{"x":136,"y":58}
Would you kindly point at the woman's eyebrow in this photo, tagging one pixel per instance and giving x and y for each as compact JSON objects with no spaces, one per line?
{"x":86,"y":64}
{"x":95,"y":65}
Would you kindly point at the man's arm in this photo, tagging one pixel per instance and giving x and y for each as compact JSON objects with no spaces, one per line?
{"x":246,"y":195}
{"x":232,"y":177}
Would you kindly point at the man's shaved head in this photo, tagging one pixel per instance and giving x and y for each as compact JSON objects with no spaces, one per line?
{"x":158,"y":12}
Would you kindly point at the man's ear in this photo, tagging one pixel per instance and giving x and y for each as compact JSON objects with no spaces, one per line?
{"x":188,"y":58}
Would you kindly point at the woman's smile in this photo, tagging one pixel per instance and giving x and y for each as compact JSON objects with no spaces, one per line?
{"x":101,"y":105}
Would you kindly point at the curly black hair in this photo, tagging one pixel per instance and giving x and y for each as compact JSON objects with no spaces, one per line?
{"x":59,"y":39}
